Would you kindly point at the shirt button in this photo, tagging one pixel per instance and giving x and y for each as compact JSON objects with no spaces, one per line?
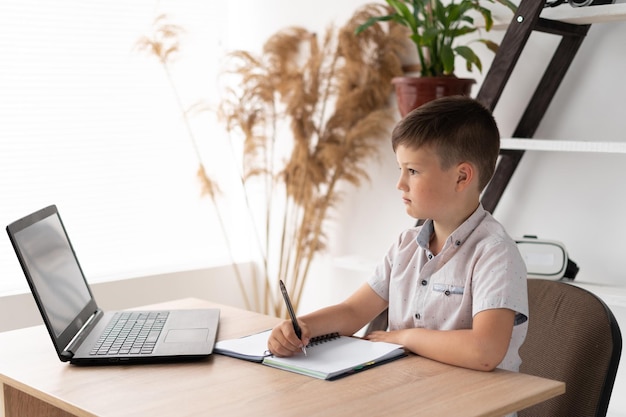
{"x":458,"y":243}
{"x":447,"y":292}
{"x":417,"y":316}
{"x":424,"y":282}
{"x":430,"y":256}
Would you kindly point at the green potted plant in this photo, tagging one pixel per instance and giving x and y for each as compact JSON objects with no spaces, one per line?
{"x":433,"y":27}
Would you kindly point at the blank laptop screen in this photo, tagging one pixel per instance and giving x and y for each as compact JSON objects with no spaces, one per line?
{"x":55,"y":273}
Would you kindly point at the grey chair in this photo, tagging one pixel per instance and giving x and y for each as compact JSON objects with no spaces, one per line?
{"x":572,"y":337}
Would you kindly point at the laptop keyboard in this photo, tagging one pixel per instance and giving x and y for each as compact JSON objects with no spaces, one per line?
{"x":134,"y":333}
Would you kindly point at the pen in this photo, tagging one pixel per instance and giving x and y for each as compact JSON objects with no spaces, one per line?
{"x":292,"y":314}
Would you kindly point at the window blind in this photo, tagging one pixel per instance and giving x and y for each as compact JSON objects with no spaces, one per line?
{"x":90,"y":124}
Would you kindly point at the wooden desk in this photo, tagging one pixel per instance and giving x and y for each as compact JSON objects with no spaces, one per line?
{"x":221,"y":386}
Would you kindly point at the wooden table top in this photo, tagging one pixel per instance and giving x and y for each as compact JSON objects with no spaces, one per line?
{"x":224,"y":386}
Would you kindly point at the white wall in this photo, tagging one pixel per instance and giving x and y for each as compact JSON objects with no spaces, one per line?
{"x":214,"y":283}
{"x":576,"y":198}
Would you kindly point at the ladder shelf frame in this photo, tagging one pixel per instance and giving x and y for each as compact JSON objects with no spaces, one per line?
{"x":526,"y":20}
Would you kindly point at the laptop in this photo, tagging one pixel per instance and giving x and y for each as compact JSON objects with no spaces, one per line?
{"x":81,"y":332}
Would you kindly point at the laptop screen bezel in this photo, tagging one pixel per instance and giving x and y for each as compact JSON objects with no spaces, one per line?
{"x":64,"y":338}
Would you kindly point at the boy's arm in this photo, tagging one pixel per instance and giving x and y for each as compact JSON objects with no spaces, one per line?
{"x":483,"y":347}
{"x":346,"y":318}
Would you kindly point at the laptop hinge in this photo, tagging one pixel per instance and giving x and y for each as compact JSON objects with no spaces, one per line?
{"x":82,"y":333}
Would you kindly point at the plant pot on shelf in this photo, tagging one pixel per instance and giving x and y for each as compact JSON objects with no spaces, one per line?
{"x":412,"y":92}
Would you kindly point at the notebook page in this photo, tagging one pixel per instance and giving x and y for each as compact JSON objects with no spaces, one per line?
{"x":253,"y":347}
{"x":337,"y":356}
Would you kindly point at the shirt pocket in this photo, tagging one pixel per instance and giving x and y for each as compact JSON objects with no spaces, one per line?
{"x":448,"y":289}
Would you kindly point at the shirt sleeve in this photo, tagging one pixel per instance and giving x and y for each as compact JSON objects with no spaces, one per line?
{"x":379,"y":281}
{"x":500,"y":280}
{"x":402,"y":248}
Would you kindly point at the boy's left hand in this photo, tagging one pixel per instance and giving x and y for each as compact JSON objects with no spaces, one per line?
{"x":384,"y":336}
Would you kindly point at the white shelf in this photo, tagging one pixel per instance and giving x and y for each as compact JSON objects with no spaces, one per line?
{"x":562,"y":145}
{"x":566,"y":13}
{"x":586,"y":15}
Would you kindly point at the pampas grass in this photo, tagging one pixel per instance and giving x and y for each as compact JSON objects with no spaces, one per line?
{"x":306,"y":115}
{"x":333,"y":92}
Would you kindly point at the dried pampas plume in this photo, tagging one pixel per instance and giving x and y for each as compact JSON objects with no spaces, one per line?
{"x":333,"y":93}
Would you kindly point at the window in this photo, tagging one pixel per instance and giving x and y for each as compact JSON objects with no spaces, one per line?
{"x":90,"y":124}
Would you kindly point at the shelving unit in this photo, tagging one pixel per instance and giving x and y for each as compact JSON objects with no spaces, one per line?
{"x":572,"y":25}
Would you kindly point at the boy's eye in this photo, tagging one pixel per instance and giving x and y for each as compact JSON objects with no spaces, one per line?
{"x":410,"y":171}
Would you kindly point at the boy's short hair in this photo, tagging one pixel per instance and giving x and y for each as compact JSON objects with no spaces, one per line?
{"x":458,"y":129}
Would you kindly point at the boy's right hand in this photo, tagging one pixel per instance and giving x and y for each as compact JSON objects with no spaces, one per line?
{"x":283,"y":340}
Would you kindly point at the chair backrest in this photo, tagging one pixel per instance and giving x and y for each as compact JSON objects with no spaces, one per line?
{"x":572,"y":337}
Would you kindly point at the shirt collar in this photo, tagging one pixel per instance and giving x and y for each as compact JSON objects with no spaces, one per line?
{"x":458,"y":236}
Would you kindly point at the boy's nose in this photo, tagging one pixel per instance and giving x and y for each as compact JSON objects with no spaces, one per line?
{"x":400,"y":185}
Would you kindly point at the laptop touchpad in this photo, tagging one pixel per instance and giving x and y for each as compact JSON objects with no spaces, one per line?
{"x":186,"y":335}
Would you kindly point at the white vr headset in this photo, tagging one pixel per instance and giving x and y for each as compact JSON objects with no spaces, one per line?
{"x":546,"y":258}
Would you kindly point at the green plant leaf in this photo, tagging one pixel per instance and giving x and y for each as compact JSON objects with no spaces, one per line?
{"x":447,"y":59}
{"x":512,"y":6}
{"x":403,"y":11}
{"x":486,"y":13}
{"x":429,"y":35}
{"x":371,"y":21}
{"x":455,"y":12}
{"x":441,"y":14}
{"x":462,"y":31}
{"x":491,"y":45}
{"x":435,"y":25}
{"x":469,"y":55}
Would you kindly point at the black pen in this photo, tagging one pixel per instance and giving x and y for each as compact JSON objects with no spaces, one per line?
{"x":292,"y":314}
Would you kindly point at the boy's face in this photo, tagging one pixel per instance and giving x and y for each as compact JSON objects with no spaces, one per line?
{"x":427,"y":190}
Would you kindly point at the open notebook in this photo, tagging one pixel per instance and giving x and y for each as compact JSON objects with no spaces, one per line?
{"x":328,"y":357}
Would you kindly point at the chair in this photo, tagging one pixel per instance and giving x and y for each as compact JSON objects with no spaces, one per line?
{"x":573,"y":337}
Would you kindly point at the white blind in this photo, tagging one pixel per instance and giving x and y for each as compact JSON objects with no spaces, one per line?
{"x":90,"y":124}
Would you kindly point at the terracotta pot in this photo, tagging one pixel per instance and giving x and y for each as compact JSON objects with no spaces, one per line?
{"x":412,"y":92}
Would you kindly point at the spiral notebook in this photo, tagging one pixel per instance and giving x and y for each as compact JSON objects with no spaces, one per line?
{"x":328,"y":357}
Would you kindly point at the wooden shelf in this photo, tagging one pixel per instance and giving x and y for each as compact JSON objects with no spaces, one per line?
{"x":562,"y":145}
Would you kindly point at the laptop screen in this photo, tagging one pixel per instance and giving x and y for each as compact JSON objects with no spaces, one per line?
{"x":56,"y":275}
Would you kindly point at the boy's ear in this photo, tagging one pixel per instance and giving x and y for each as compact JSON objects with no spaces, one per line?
{"x":466,"y":174}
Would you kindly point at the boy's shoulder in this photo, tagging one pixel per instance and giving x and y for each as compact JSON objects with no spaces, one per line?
{"x":491,"y":228}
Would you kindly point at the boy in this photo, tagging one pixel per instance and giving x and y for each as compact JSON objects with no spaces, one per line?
{"x":455,"y":287}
